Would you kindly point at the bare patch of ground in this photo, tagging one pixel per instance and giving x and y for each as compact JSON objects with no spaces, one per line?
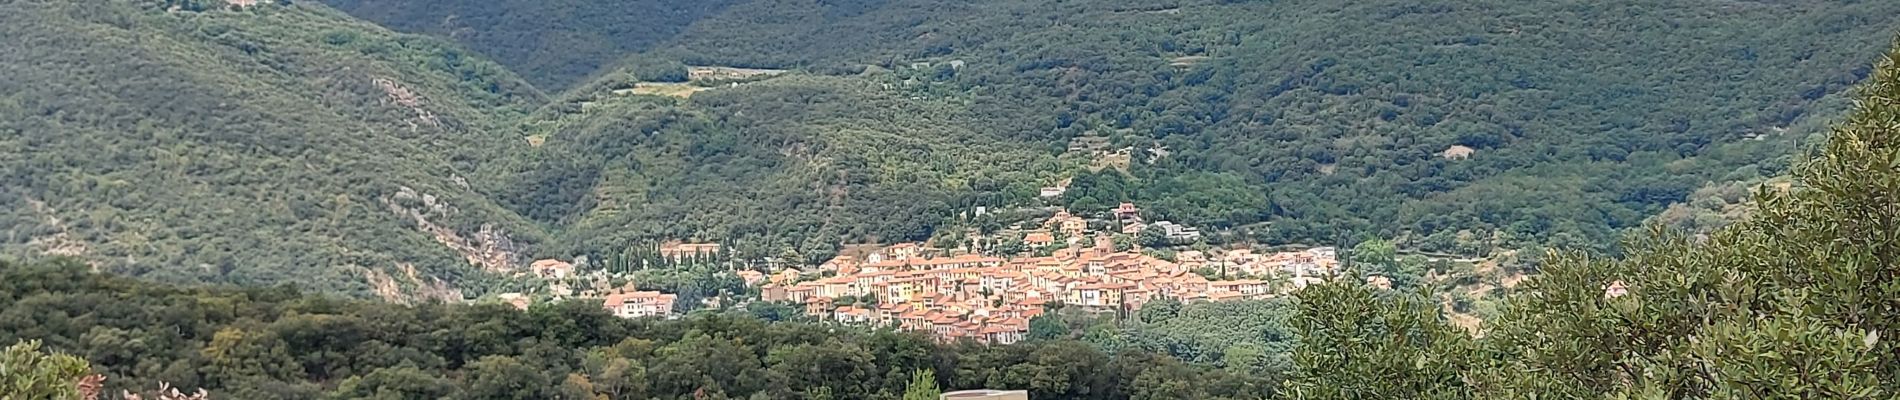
{"x":700,"y":79}
{"x":1187,"y":61}
{"x":1100,"y":156}
{"x":1118,"y":159}
{"x":59,"y":243}
{"x":1470,"y":323}
{"x":1456,"y":152}
{"x":671,"y":89}
{"x":1511,"y":281}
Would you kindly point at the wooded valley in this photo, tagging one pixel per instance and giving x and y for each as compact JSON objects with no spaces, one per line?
{"x":197,"y":141}
{"x":211,"y":193}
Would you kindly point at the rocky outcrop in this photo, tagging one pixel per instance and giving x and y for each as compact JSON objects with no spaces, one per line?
{"x":396,"y":93}
{"x":414,"y":288}
{"x":59,"y":242}
{"x":488,"y":247}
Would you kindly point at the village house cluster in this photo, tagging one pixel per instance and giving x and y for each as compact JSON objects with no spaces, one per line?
{"x":626,"y":303}
{"x":991,"y":299}
{"x":954,"y":293}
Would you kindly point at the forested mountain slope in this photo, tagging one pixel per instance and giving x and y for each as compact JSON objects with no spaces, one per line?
{"x":1791,"y":300}
{"x":561,"y":41}
{"x":195,"y":141}
{"x":1453,"y":126}
{"x":284,"y":141}
{"x":800,"y":163}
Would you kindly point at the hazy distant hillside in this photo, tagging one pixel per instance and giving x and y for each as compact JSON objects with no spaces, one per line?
{"x":192,"y":141}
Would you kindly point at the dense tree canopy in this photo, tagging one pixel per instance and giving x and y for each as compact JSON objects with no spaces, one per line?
{"x":1793,"y":301}
{"x":1450,"y":126}
{"x":271,"y":343}
{"x":800,"y":163}
{"x":28,"y":373}
{"x":253,"y":146}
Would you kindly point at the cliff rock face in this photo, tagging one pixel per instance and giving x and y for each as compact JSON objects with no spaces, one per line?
{"x":414,"y":288}
{"x":399,"y":94}
{"x":488,"y":247}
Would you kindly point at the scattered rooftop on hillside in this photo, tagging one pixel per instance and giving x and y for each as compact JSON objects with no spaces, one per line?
{"x":990,"y":299}
{"x":551,"y":269}
{"x":634,"y":304}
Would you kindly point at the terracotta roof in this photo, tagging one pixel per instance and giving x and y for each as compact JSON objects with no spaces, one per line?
{"x":619,"y":299}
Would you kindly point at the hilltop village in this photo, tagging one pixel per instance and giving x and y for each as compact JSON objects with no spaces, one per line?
{"x":992,"y":299}
{"x":989,"y":297}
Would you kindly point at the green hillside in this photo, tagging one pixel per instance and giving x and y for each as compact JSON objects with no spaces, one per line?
{"x":286,"y":142}
{"x":1309,"y":121}
{"x":1790,"y":301}
{"x":1582,"y":117}
{"x":555,"y":43}
{"x":194,"y":141}
{"x":796,"y":163}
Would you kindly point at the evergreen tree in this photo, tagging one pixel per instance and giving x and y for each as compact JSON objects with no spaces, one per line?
{"x":923,"y":386}
{"x":28,"y":373}
{"x":1048,"y":326}
{"x":1355,"y":345}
